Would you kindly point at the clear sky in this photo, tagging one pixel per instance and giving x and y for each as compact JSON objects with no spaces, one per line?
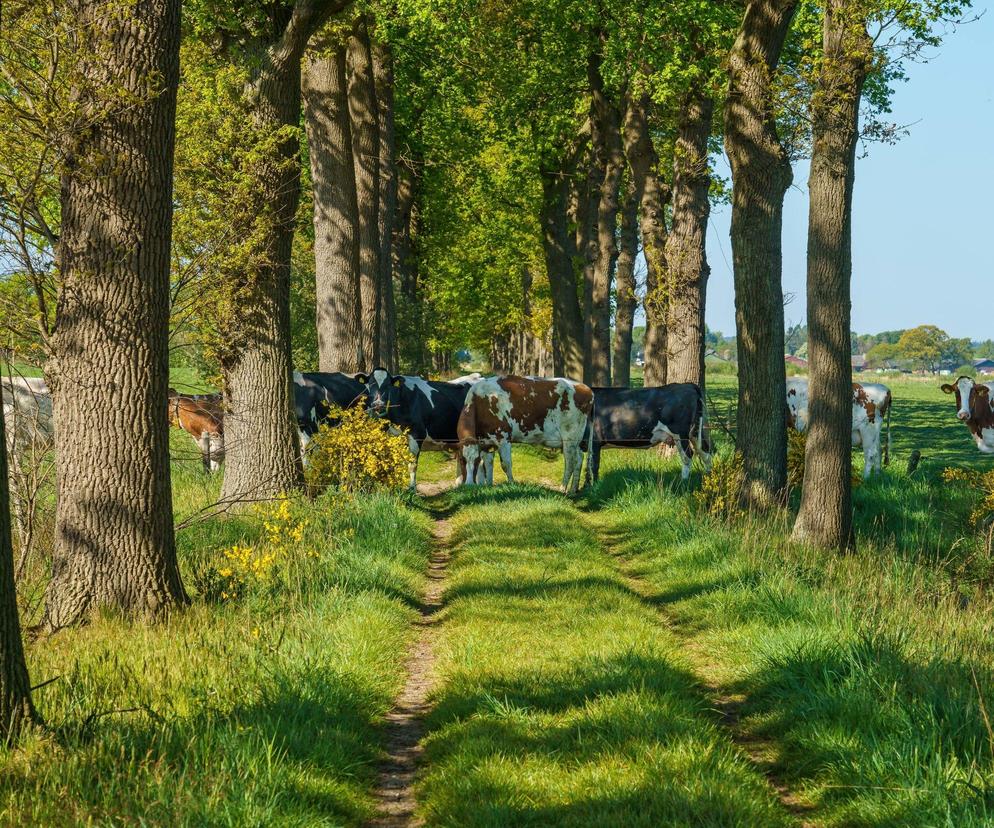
{"x":923,"y":210}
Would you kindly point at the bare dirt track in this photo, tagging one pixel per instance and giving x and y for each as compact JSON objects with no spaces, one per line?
{"x":405,"y":724}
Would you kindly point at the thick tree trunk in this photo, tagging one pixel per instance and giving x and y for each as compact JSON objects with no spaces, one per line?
{"x":605,"y":113}
{"x":567,"y":322}
{"x":652,"y":194}
{"x":688,"y":271}
{"x":383,"y":76}
{"x":586,"y":253}
{"x":761,"y":174}
{"x":825,"y":517}
{"x":366,"y":153}
{"x":262,"y":452}
{"x":109,"y":362}
{"x":626,"y":302}
{"x":410,"y":311}
{"x":16,"y":709}
{"x":336,"y":252}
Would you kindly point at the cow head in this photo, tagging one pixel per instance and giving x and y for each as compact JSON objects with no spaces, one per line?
{"x":382,"y":390}
{"x":968,"y":395}
{"x":797,"y":408}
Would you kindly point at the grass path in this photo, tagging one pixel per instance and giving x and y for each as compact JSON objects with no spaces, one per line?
{"x":405,"y":722}
{"x":561,"y":696}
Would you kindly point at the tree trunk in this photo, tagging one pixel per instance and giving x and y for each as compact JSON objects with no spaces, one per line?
{"x":15,"y":688}
{"x":688,"y":271}
{"x":606,"y":114}
{"x":567,"y":322}
{"x":761,"y":174}
{"x":336,"y":253}
{"x":410,"y":320}
{"x":587,"y":211}
{"x":825,"y":517}
{"x":262,"y":451}
{"x":383,"y":76}
{"x":626,"y":302}
{"x":109,"y":362}
{"x":652,"y":194}
{"x":366,"y":153}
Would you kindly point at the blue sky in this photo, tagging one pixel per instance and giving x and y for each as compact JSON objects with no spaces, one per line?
{"x":923,"y":220}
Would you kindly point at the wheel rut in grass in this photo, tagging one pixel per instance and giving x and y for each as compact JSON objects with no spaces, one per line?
{"x":726,"y":705}
{"x":405,"y":723}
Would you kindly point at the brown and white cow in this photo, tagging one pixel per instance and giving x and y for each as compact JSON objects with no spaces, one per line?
{"x":871,"y":404}
{"x":500,"y":411}
{"x":202,"y":417}
{"x":975,"y":407}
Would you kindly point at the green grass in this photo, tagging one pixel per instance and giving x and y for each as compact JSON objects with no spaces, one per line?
{"x":263,"y":710}
{"x":562,"y":698}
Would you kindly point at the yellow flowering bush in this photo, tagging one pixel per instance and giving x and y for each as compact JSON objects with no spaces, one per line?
{"x":982,"y":482}
{"x":720,"y":495}
{"x":357,"y":455}
{"x":246,"y":566}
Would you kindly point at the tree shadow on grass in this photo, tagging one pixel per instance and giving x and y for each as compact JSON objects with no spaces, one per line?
{"x":887,"y":740}
{"x":619,"y":740}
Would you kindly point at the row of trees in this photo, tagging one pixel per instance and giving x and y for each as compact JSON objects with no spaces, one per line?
{"x":475,"y":174}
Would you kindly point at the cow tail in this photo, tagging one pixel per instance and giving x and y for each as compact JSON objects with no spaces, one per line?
{"x":890,"y":405}
{"x":702,"y":422}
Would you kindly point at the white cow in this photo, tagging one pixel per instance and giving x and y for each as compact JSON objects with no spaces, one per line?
{"x":871,"y":404}
{"x":975,"y":408}
{"x":27,"y":414}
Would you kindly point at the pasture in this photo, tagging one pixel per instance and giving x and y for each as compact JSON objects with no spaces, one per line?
{"x":617,"y":658}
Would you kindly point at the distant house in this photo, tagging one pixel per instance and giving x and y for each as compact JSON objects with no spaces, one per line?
{"x":859,"y":362}
{"x":984,"y":366}
{"x":798,"y":362}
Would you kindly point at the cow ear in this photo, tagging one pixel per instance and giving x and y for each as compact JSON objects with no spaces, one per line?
{"x":362,"y":379}
{"x":982,"y":390}
{"x":397,"y":381}
{"x":947,"y":388}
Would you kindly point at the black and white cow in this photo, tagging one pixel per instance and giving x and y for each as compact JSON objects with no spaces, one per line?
{"x":427,"y":410}
{"x":642,"y":417}
{"x":315,"y":393}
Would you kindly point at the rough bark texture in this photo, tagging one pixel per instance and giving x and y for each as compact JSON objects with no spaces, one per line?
{"x":825,"y":516}
{"x":761,"y":173}
{"x":336,"y":252}
{"x":383,"y":76}
{"x":608,"y":118}
{"x":626,"y":302}
{"x":262,"y":455}
{"x":366,"y":153}
{"x":567,"y":322}
{"x":587,"y":202}
{"x":686,"y":259}
{"x":411,"y":336}
{"x":652,"y":194}
{"x":109,"y":366}
{"x":15,"y":687}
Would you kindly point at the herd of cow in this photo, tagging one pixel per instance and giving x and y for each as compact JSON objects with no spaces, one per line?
{"x":478,"y":417}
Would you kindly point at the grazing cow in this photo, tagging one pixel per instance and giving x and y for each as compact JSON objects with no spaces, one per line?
{"x":315,"y":393}
{"x":871,"y":404}
{"x":427,"y":410}
{"x":500,"y":411}
{"x":202,"y":417}
{"x":975,"y":407}
{"x":642,"y":417}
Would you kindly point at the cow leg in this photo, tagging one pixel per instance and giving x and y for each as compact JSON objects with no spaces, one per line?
{"x":205,"y":450}
{"x":504,"y":447}
{"x":594,"y":460}
{"x":215,"y":450}
{"x":412,"y":466}
{"x":683,"y":447}
{"x":869,"y":457}
{"x":487,"y":459}
{"x":573,"y":463}
{"x":471,"y":456}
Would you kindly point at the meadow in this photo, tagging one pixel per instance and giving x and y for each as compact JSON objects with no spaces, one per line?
{"x":616,"y":658}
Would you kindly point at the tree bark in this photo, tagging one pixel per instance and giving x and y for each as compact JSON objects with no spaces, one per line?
{"x":366,"y":153}
{"x":109,"y":362}
{"x":16,"y":708}
{"x":587,"y":212}
{"x":567,"y":321}
{"x":652,"y":194}
{"x":336,"y":252}
{"x":383,"y":77}
{"x":262,"y":452}
{"x":825,"y":516}
{"x":411,"y":337}
{"x":626,"y":301}
{"x":608,"y":133}
{"x":686,"y":258}
{"x":761,"y":174}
